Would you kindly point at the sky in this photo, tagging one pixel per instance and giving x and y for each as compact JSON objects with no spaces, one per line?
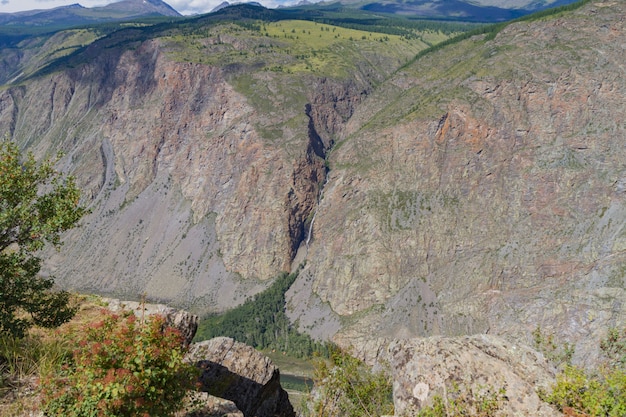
{"x":186,"y":7}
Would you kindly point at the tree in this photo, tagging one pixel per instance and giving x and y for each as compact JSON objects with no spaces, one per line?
{"x":348,"y":387}
{"x":37,"y":204}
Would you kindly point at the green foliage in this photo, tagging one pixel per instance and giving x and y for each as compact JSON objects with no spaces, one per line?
{"x":557,"y":354}
{"x":600,"y":392}
{"x":480,"y":402}
{"x":262,"y":323}
{"x":24,"y":358}
{"x":347,"y":387}
{"x":595,"y":395}
{"x":614,"y":348}
{"x":120,"y":367}
{"x":37,"y":204}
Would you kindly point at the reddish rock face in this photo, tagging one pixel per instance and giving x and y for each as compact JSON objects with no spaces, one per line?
{"x":192,"y":187}
{"x":486,"y":193}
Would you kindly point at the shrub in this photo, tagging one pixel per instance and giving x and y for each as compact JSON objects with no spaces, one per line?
{"x":347,"y":387}
{"x":558,"y":355}
{"x":479,"y":402}
{"x":594,"y":395}
{"x":614,"y":348}
{"x":600,"y":392}
{"x":121,"y":367}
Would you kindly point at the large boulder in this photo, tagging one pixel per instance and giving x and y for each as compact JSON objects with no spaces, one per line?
{"x":476,"y":365}
{"x":237,"y":372}
{"x":181,"y":320}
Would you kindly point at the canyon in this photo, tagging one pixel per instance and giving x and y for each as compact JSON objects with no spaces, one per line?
{"x":479,"y":188}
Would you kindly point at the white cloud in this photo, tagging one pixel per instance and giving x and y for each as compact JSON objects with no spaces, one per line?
{"x":187,"y":7}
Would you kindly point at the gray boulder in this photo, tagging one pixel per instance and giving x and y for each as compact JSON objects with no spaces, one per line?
{"x":241,"y":374}
{"x":479,"y":365}
{"x":181,"y":320}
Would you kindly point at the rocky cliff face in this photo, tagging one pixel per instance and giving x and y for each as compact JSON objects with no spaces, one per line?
{"x":482,"y":190}
{"x":197,"y":197}
{"x":478,"y":189}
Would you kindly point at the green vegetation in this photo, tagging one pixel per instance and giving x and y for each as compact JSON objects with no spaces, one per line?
{"x":602,"y":393}
{"x":293,"y":46}
{"x":490,"y":31}
{"x":347,"y":387}
{"x":262,"y":323}
{"x":120,"y":366}
{"x":559,"y":355}
{"x":98,"y":364}
{"x":614,"y":348}
{"x":483,"y":402}
{"x":598,"y":392}
{"x":23,"y":360}
{"x":37,"y":204}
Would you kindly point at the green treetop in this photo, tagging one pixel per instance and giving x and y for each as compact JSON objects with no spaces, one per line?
{"x":37,"y":204}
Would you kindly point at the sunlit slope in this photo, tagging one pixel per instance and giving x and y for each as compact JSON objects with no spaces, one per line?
{"x":481,"y":188}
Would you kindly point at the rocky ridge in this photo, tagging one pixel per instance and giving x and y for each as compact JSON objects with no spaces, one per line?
{"x":239,"y":373}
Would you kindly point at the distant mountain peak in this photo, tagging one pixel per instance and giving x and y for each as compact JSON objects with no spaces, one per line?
{"x":143,"y":7}
{"x":220,"y":6}
{"x":75,"y":14}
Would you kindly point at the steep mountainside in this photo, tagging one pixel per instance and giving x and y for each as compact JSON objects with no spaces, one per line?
{"x":201,"y":149}
{"x":482,"y":189}
{"x":478,"y":189}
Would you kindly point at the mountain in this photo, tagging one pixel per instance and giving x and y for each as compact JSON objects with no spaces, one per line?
{"x":462,"y":10}
{"x":477,"y":186}
{"x":75,"y":14}
{"x":220,"y":6}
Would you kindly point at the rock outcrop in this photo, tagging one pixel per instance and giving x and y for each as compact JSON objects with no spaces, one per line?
{"x":185,"y":322}
{"x":478,"y":365}
{"x":230,"y":370}
{"x":205,"y":405}
{"x":239,"y":373}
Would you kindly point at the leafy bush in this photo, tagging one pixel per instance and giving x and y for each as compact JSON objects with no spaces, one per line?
{"x":347,"y":387}
{"x":594,"y":395}
{"x":121,"y":367}
{"x":481,"y":402}
{"x":614,"y":347}
{"x":600,"y":392}
{"x":557,"y":354}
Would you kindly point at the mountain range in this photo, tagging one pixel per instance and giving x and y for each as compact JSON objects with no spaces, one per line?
{"x":76,"y":14}
{"x":464,"y":10}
